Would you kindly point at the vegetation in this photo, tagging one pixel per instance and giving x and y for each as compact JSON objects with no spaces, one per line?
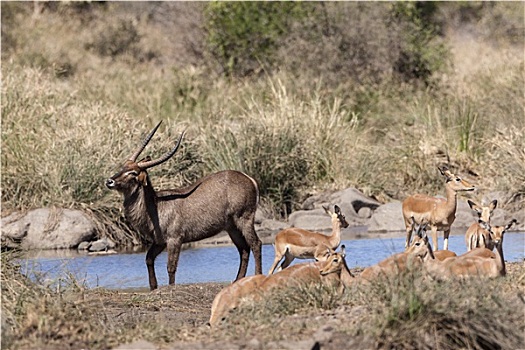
{"x":350,"y":92}
{"x":405,"y":312}
{"x":305,"y":97}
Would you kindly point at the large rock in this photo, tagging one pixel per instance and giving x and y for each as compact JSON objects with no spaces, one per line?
{"x":357,"y":208}
{"x":46,"y":228}
{"x":388,"y":217}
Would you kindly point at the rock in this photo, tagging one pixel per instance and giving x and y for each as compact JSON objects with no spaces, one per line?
{"x":365,"y":213}
{"x":84,"y":245}
{"x":314,"y":220}
{"x":46,"y":228}
{"x":271,"y":225}
{"x":387,"y":217}
{"x":350,"y":200}
{"x":101,"y":245}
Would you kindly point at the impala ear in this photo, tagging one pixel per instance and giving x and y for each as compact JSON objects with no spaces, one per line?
{"x":343,"y":251}
{"x":493,"y":204}
{"x":513,"y":221}
{"x":473,"y":205}
{"x":327,"y":210}
{"x":337,"y":209}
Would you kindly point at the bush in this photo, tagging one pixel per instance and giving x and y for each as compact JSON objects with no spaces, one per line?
{"x":243,"y":36}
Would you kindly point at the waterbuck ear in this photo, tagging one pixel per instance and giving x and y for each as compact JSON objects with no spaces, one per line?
{"x":143,"y":178}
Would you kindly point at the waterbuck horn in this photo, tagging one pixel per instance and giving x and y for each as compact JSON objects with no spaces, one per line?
{"x":163,"y":158}
{"x":144,"y":143}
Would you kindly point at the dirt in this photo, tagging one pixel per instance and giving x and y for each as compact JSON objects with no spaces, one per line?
{"x":186,"y":307}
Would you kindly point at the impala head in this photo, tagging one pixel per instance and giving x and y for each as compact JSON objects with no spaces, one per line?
{"x":497,"y":232}
{"x":334,"y":263}
{"x":133,"y":174}
{"x":323,"y":252}
{"x":455,"y":182}
{"x":420,"y":247}
{"x":484,"y":213}
{"x":337,"y":215}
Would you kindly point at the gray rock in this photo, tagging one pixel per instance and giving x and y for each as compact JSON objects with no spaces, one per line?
{"x":387,"y":217}
{"x":350,"y":200}
{"x":98,"y":246}
{"x":84,"y":245}
{"x":315,"y":220}
{"x":46,"y":228}
{"x":271,"y":225}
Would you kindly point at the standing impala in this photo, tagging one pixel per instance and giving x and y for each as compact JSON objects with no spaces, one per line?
{"x":439,"y":213}
{"x":476,"y":236}
{"x":226,"y":200}
{"x":299,"y":243}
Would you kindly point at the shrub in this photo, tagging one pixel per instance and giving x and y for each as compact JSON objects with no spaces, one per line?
{"x":242,"y":36}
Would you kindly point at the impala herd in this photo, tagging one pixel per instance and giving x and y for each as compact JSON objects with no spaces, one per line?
{"x":227,"y":201}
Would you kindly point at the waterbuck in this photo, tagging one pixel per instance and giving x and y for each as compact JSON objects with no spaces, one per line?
{"x":223,"y":201}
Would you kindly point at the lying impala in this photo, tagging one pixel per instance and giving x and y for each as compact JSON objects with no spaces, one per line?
{"x":476,"y":236}
{"x":226,"y":200}
{"x":400,"y":262}
{"x":437,"y":212}
{"x":333,"y":272}
{"x":299,"y":243}
{"x":473,"y":263}
{"x":497,"y":232}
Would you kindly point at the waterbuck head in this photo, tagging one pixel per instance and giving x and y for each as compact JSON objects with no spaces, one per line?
{"x":133,"y":174}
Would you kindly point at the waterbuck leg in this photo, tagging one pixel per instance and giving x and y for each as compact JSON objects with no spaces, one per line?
{"x":152,"y":253}
{"x":256,"y":246}
{"x":244,"y":251}
{"x":245,"y":226}
{"x":173,"y":259}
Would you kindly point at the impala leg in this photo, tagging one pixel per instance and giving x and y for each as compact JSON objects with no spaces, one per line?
{"x":173,"y":259}
{"x":288,"y":258}
{"x":243,"y":249}
{"x":446,"y":233}
{"x":278,"y":258}
{"x":409,"y":235}
{"x":152,"y":253}
{"x":434,"y":238}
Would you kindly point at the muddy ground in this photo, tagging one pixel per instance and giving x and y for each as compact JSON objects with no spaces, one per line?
{"x":186,"y":308}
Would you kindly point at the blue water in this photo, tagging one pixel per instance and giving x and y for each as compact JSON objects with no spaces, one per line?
{"x":218,"y":264}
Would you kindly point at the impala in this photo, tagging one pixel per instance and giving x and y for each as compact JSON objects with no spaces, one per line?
{"x":469,"y":264}
{"x":497,"y":232}
{"x":226,"y":200}
{"x":299,"y":243}
{"x":332,"y":272}
{"x":476,"y":236}
{"x":400,"y":262}
{"x":437,"y":212}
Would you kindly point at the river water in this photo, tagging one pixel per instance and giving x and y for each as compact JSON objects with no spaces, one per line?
{"x":216,"y":264}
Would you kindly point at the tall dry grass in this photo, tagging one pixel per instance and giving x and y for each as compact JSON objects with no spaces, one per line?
{"x":63,"y":134}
